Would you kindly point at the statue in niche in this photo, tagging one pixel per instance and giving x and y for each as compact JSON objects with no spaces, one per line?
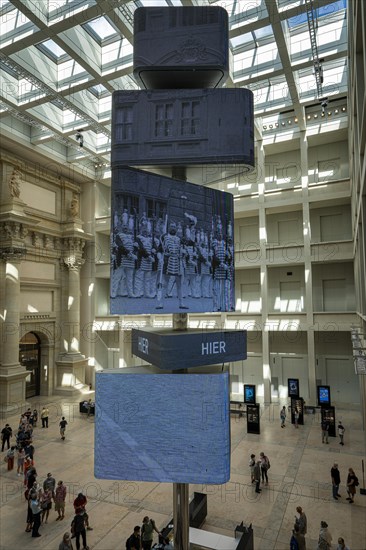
{"x":74,"y":206}
{"x":14,"y":183}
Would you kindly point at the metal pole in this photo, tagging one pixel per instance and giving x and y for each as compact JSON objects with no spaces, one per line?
{"x":180,"y":490}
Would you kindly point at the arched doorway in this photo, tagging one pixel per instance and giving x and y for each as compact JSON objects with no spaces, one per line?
{"x":30,"y":358}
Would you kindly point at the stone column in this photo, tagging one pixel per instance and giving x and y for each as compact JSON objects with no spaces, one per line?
{"x":71,"y":364}
{"x":12,"y":374}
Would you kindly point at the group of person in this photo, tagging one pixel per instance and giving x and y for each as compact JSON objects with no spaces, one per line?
{"x":351,"y":484}
{"x":142,"y":537}
{"x":259,"y":470}
{"x":298,"y":541}
{"x":156,"y":259}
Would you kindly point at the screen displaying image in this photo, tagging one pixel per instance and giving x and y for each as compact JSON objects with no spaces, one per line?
{"x":324,"y":395}
{"x":172,"y":247}
{"x":249,"y":394}
{"x":293,"y":387}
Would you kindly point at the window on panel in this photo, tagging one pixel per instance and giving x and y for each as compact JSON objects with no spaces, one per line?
{"x":190,"y":118}
{"x":124,"y":119}
{"x":164,"y":120}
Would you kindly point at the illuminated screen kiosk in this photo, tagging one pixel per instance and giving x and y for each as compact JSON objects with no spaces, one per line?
{"x":293,"y":387}
{"x":249,"y":394}
{"x":323,"y":396}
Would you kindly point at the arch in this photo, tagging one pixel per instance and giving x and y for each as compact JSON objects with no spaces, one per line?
{"x":30,"y":355}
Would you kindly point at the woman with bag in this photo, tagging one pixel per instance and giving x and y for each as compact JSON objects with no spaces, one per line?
{"x":352,"y":483}
{"x":10,"y":458}
{"x":265,"y":466}
{"x":46,"y":504}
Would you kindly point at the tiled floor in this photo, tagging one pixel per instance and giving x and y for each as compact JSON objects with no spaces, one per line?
{"x":299,"y":475}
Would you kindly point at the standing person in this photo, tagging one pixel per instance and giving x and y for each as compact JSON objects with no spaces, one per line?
{"x":10,"y":457}
{"x":49,"y":483}
{"x":325,"y":428}
{"x":342,"y":544}
{"x":35,"y":417}
{"x":352,"y":483}
{"x":336,"y":481}
{"x":297,"y":541}
{"x":36,"y":514}
{"x":66,"y":543}
{"x":79,"y":505}
{"x":28,"y":496}
{"x":63,"y":424}
{"x":44,"y":416}
{"x":301,"y":522}
{"x":251,"y":466}
{"x":296,"y":417}
{"x":60,"y":498}
{"x":78,"y":530}
{"x":265,"y":466}
{"x":341,"y":430}
{"x":147,"y":532}
{"x":257,"y":476}
{"x":134,"y":541}
{"x":20,"y":461}
{"x":46,"y":504}
{"x":325,"y":538}
{"x":283,"y":416}
{"x":6,"y":434}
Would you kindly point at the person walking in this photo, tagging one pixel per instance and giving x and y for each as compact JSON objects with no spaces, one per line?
{"x":301,"y":522}
{"x":66,"y":543}
{"x":251,"y":466}
{"x":265,"y":466}
{"x":296,"y":417}
{"x":324,"y":428}
{"x":147,"y":532}
{"x":336,"y":481}
{"x":325,"y":538}
{"x":352,"y":483}
{"x":60,"y":498}
{"x":63,"y":424}
{"x":283,"y":416}
{"x":341,"y":430}
{"x":6,"y":434}
{"x":36,"y":514}
{"x":78,"y":530}
{"x":44,"y":417}
{"x":257,"y":476}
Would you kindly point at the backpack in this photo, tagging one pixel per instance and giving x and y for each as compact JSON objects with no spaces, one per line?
{"x":294,"y":545}
{"x":268,"y":464}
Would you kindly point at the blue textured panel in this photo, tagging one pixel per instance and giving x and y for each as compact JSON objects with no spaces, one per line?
{"x":162,"y":427}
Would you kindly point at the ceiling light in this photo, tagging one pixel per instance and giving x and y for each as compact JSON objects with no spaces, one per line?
{"x":276,"y":124}
{"x":308,"y":117}
{"x":343,"y":109}
{"x":315,"y":116}
{"x":323,"y":114}
{"x":289,"y":121}
{"x":264,"y":127}
{"x":296,"y":119}
{"x":329,"y":113}
{"x":271,"y":126}
{"x":283,"y":123}
{"x":336,"y":111}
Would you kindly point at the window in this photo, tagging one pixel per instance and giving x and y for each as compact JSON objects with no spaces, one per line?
{"x":156,"y":209}
{"x":163,"y":120}
{"x":190,"y":121}
{"x":124,"y":118}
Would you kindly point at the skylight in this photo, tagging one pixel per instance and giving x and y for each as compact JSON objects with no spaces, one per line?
{"x":52,"y":49}
{"x":100,"y":28}
{"x":323,"y":11}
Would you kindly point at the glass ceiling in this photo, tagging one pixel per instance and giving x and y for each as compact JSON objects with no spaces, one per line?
{"x":62,"y":59}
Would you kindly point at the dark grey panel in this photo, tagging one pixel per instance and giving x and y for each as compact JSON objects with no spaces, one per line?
{"x":181,"y":47}
{"x":183,"y":127}
{"x":177,"y":350}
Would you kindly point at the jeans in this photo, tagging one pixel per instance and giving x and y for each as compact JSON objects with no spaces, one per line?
{"x":264,"y":474}
{"x":36,"y":524}
{"x":335,"y":489}
{"x":77,"y":537}
{"x":257,"y":485}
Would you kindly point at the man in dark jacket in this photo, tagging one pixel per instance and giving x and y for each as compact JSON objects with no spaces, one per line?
{"x":6,"y":434}
{"x":78,"y":529}
{"x":336,"y":481}
{"x":134,"y":541}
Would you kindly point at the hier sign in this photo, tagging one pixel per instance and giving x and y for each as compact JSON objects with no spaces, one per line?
{"x":173,"y":350}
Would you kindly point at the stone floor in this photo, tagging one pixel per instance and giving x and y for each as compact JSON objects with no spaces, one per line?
{"x":299,"y":476}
